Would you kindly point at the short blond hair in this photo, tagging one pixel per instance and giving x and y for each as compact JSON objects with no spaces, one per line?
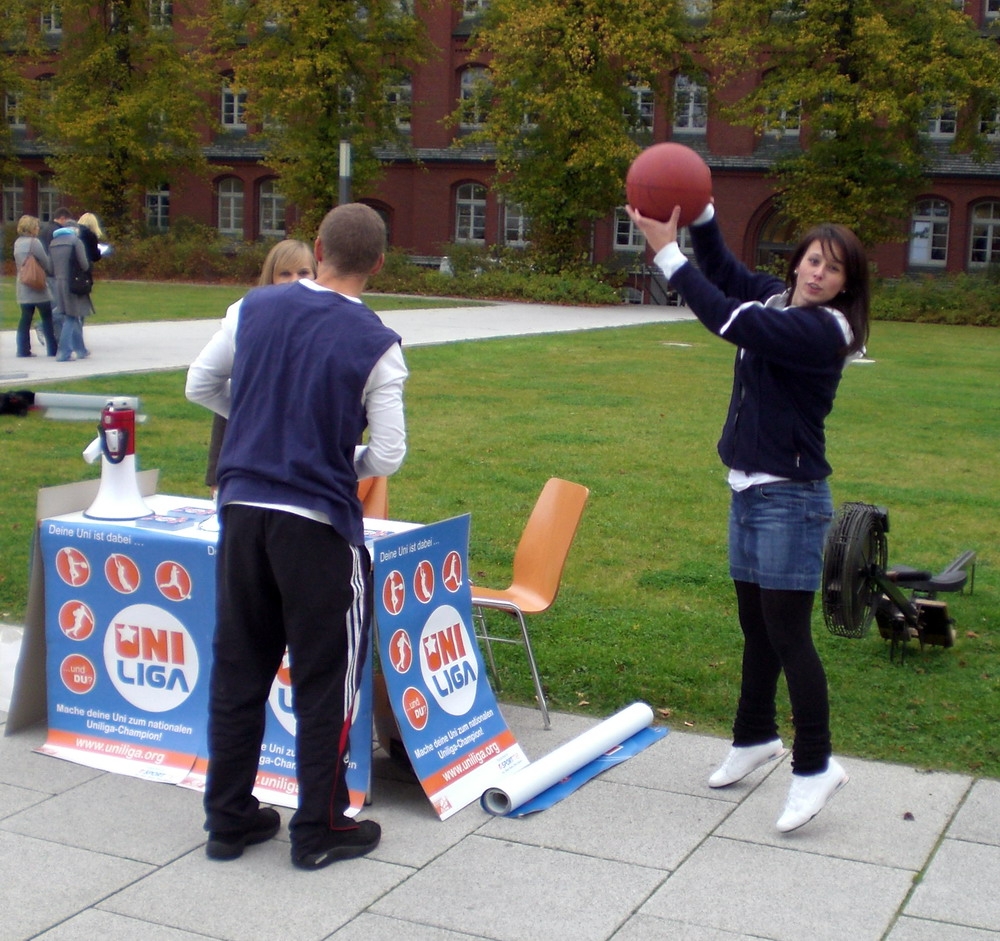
{"x":28,"y":225}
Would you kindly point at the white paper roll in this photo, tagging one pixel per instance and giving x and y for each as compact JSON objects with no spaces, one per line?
{"x":521,"y":786}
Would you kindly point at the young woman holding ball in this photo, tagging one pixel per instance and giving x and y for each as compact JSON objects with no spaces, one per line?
{"x":793,"y":339}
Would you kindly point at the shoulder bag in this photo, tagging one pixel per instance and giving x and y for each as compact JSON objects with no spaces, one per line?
{"x":32,"y":274}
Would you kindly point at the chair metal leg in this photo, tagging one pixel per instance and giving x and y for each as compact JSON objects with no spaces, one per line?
{"x":483,"y":634}
{"x":534,"y":669}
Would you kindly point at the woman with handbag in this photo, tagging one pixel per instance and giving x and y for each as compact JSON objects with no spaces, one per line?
{"x":33,"y":266}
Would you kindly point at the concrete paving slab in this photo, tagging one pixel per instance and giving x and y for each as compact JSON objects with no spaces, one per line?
{"x":619,"y":822}
{"x":647,"y":928}
{"x":960,"y":886}
{"x":93,"y":924}
{"x":783,"y":894}
{"x":117,"y":815}
{"x":682,"y":763}
{"x":45,"y":883}
{"x":976,"y":820}
{"x":15,"y":799}
{"x":258,"y":897}
{"x":379,"y":928}
{"x":888,"y":814}
{"x":23,"y":767}
{"x":512,"y":892}
{"x":917,"y":929}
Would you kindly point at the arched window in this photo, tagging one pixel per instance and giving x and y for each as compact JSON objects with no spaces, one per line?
{"x":775,"y":244}
{"x":230,"y":206}
{"x":473,"y":88}
{"x":13,"y":199}
{"x":984,"y":241}
{"x":48,"y":196}
{"x":690,"y":106}
{"x":929,"y":233}
{"x":272,"y":209}
{"x":470,"y":213}
{"x":158,"y":208}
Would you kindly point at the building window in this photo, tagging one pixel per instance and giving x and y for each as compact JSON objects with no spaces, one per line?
{"x":470,"y":213}
{"x":13,"y":199}
{"x":775,"y":244}
{"x":628,"y":238}
{"x":234,"y":103}
{"x":515,"y":225}
{"x":12,"y":109}
{"x":929,"y":233}
{"x":48,"y":197}
{"x":272,"y":210}
{"x":992,"y":9}
{"x":158,"y":209}
{"x":989,"y":123}
{"x":984,"y":247}
{"x":474,"y":7}
{"x":399,"y":96}
{"x":161,"y":14}
{"x":473,"y":86}
{"x":51,"y":19}
{"x":231,"y":207}
{"x":690,"y":106}
{"x":642,"y":107}
{"x":941,"y":122}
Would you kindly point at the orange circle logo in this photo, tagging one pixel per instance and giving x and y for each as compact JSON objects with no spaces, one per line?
{"x":78,"y":674}
{"x":415,"y":707}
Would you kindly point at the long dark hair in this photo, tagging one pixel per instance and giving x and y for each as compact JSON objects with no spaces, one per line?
{"x":853,"y":302}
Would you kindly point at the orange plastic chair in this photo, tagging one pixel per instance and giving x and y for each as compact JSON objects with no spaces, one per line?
{"x":373,"y":492}
{"x":538,"y":567}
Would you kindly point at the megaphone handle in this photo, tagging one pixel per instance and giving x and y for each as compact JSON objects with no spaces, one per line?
{"x":104,"y":445}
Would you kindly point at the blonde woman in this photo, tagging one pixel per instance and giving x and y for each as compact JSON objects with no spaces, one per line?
{"x":288,"y":260}
{"x":28,"y":244}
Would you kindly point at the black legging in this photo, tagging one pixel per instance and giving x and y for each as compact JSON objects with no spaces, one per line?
{"x":777,"y":632}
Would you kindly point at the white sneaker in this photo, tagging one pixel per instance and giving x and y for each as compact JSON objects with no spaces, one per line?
{"x":742,"y":759}
{"x":808,"y":795}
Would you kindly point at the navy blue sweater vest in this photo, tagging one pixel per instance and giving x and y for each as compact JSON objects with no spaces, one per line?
{"x":302,"y":360}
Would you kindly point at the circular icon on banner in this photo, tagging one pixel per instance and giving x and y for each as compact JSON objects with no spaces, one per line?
{"x":448,"y":661}
{"x":72,"y":566}
{"x":173,"y":581}
{"x":150,"y":657}
{"x":122,"y":573}
{"x":76,"y":620}
{"x":451,"y":572}
{"x":78,"y":674}
{"x":423,"y":582}
{"x":400,"y":651}
{"x":415,"y":707}
{"x":280,"y":697}
{"x":393,"y":592}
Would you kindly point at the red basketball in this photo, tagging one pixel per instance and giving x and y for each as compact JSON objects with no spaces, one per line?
{"x":668,"y":175}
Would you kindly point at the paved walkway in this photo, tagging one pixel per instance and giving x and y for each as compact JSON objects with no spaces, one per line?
{"x":645,"y":852}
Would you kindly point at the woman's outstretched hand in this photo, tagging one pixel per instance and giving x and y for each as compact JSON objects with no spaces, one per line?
{"x":658,"y":234}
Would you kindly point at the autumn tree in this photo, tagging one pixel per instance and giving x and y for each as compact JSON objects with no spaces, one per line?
{"x":121,"y":112}
{"x":14,"y":42}
{"x":561,"y":106}
{"x":863,"y":77}
{"x":317,"y":73}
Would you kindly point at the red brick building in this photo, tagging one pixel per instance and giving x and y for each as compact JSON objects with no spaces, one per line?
{"x":447,"y":196}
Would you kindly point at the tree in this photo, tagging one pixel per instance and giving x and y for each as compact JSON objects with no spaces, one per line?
{"x":865,"y":76}
{"x":317,"y":73}
{"x":560,"y":107}
{"x":14,"y":41}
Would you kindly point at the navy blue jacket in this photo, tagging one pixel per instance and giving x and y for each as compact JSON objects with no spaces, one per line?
{"x":788,"y":364}
{"x":302,"y":360}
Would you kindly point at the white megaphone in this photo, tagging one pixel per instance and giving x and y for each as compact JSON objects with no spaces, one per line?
{"x":118,"y":497}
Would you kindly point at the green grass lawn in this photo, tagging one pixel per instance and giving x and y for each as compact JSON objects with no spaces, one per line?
{"x":646,"y":610}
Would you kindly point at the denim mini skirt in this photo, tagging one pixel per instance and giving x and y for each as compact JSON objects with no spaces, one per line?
{"x":777,"y":532}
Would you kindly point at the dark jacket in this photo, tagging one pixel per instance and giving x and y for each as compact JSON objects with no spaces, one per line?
{"x":787,"y":368}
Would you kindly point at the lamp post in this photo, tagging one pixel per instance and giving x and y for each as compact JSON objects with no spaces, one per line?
{"x":344,"y":192}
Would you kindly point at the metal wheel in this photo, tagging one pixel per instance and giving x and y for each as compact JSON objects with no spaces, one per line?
{"x":856,"y":549}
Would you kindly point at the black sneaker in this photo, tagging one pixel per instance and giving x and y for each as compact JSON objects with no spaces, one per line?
{"x":229,"y":844}
{"x":340,"y":844}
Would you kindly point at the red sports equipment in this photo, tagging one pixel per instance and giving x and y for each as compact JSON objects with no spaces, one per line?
{"x":668,"y":175}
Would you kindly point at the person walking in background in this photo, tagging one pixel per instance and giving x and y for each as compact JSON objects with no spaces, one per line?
{"x":793,"y":339}
{"x":27,"y":244}
{"x":288,"y":260}
{"x":301,"y":370}
{"x":73,"y":308}
{"x":92,"y":236}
